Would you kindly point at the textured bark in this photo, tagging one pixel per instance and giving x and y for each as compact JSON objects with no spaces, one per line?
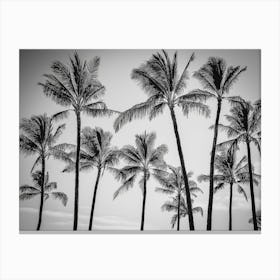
{"x":252,"y":187}
{"x":77,"y":170}
{"x":185,"y":176}
{"x":42,"y":195}
{"x":230,"y":208}
{"x":144,"y":203}
{"x":94,"y":198}
{"x":212,"y":162}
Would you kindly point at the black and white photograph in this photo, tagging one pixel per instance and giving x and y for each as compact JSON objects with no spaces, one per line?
{"x":140,"y":140}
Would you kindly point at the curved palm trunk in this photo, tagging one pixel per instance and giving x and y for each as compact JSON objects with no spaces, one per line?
{"x":252,"y":187}
{"x":77,"y":170}
{"x":144,"y":203}
{"x":42,"y":194}
{"x":185,"y":176}
{"x":178,"y":213}
{"x":212,"y":161}
{"x":230,"y":208}
{"x":94,"y":198}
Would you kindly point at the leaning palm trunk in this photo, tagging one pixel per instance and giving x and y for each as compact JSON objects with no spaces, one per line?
{"x":144,"y":203}
{"x":42,"y":194}
{"x":212,"y":162}
{"x":94,"y":199}
{"x":77,"y":169}
{"x":252,"y":187}
{"x":185,"y":176}
{"x":230,"y":208}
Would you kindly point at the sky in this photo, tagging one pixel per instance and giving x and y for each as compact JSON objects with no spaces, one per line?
{"x":124,"y":213}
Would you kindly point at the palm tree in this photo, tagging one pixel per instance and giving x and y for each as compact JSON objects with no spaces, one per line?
{"x":244,"y":127}
{"x":159,"y":78}
{"x":172,"y":183}
{"x":44,"y":188}
{"x":217,"y":79}
{"x":145,"y":160}
{"x":38,"y":138}
{"x":231,"y":173}
{"x":96,"y":152}
{"x":76,"y":86}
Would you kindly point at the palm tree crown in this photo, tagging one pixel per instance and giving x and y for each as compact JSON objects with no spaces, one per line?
{"x":76,"y":85}
{"x":216,"y":78}
{"x":39,"y":137}
{"x":96,"y":151}
{"x":160,"y":79}
{"x":144,"y":159}
{"x":244,"y":124}
{"x":49,"y":189}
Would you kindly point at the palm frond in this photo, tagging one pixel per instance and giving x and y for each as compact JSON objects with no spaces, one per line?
{"x":127,"y":184}
{"x":190,"y":106}
{"x":60,"y":196}
{"x":26,"y":196}
{"x":28,"y":189}
{"x":137,"y":111}
{"x":50,"y":186}
{"x":219,"y":187}
{"x":242,"y":191}
{"x":198,"y":209}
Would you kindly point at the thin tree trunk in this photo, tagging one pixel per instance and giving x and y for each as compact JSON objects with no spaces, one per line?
{"x":230,"y":208}
{"x":42,"y":194}
{"x":77,"y":170}
{"x":185,"y":176}
{"x":178,"y":213}
{"x":144,"y":203}
{"x":252,"y":187}
{"x":212,"y":162}
{"x":94,"y":198}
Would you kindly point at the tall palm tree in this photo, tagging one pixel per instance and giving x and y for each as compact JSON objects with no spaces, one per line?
{"x":38,"y":138}
{"x":96,"y":152}
{"x":172,"y":183}
{"x":217,"y":79}
{"x":232,"y":173}
{"x":244,"y":127}
{"x":76,"y":86}
{"x":145,"y":160}
{"x":44,"y":188}
{"x":160,"y":79}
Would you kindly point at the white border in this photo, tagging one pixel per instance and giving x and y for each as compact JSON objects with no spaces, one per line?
{"x":155,"y":24}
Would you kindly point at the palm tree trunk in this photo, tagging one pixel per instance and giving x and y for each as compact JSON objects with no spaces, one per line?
{"x":42,"y":194}
{"x":144,"y":203}
{"x":77,"y":170}
{"x":212,"y":162}
{"x":94,"y":198}
{"x":185,"y":176}
{"x":230,"y":208}
{"x":252,"y":187}
{"x":178,"y":212}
